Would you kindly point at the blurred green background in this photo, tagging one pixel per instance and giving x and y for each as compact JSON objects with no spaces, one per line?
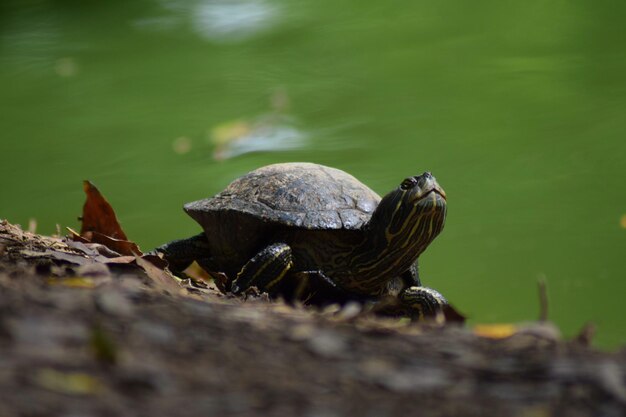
{"x":518,"y":108}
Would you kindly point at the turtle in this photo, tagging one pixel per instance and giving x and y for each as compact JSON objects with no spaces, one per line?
{"x":319,"y":234}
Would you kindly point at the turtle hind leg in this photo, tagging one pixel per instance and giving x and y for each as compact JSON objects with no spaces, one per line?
{"x":179,"y":254}
{"x":409,"y":278}
{"x":317,"y":289}
{"x":266,"y":270}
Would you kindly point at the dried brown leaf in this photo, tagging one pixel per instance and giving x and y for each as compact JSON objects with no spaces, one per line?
{"x":57,"y":255}
{"x":119,"y":260}
{"x":452,"y":315}
{"x":160,"y":277}
{"x":100,"y":224}
{"x":123,"y":247}
{"x":76,"y":236}
{"x":98,"y":215}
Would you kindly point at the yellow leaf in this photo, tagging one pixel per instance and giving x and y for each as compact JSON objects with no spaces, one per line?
{"x":74,"y":282}
{"x":76,"y":383}
{"x":495,"y":331}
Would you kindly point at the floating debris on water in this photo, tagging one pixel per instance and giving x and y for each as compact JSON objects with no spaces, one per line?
{"x":240,"y":137}
{"x":66,"y":67}
{"x":232,"y":21}
{"x":182,"y":145}
{"x":274,"y":131}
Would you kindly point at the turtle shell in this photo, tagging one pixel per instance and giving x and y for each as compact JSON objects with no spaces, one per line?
{"x":303,"y":195}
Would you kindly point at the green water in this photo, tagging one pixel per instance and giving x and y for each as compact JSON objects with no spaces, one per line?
{"x":518,"y":108}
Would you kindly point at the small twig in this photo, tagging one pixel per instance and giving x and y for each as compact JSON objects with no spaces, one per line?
{"x":543,"y":298}
{"x":32,"y":225}
{"x":586,"y":334}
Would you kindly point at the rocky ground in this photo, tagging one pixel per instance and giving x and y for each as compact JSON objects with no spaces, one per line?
{"x":87,"y":334}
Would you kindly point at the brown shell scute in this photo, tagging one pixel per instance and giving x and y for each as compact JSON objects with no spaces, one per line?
{"x":296,"y":194}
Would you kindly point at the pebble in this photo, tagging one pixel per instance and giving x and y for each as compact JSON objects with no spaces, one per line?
{"x":155,"y":333}
{"x":93,"y":270}
{"x":114,"y":302}
{"x":350,"y":311}
{"x":328,"y":344}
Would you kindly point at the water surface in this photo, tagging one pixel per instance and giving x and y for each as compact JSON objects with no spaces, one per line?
{"x":517,"y":108}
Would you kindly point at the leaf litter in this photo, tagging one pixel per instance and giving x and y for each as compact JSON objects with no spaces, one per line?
{"x":127,"y":345}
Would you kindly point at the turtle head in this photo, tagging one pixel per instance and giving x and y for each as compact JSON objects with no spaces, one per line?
{"x":404,"y":223}
{"x":415,"y":190}
{"x":408,"y":219}
{"x":414,"y":213}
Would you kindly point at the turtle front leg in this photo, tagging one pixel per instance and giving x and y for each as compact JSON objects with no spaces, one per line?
{"x":411,"y":277}
{"x":422,"y":303}
{"x":179,"y":254}
{"x":417,"y":301}
{"x":265,"y":270}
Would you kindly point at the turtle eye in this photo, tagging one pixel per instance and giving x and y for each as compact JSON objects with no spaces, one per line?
{"x":408,"y":183}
